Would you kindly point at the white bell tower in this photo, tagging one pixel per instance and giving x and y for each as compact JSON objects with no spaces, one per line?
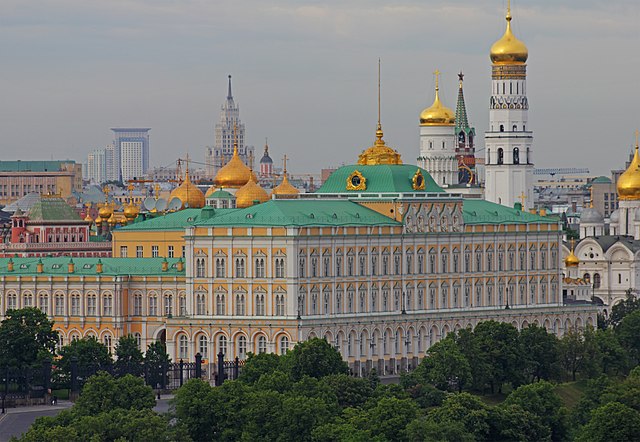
{"x":509,"y":141}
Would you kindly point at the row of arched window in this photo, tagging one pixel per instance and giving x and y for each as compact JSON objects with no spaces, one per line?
{"x":240,"y":347}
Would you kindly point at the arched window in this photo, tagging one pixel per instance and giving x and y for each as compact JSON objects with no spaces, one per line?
{"x":240,"y":305}
{"x":284,"y":345}
{"x":221,"y":306}
{"x":203,"y":346}
{"x":108,"y":342}
{"x":516,"y":155}
{"x":262,"y":344}
{"x":222,"y":345}
{"x":528,"y":156}
{"x":242,"y":347}
{"x":515,"y":128}
{"x":200,"y":304}
{"x":240,"y":268}
{"x":183,"y":347}
{"x":280,"y":305}
{"x":596,"y":280}
{"x":260,"y":305}
{"x":500,"y":155}
{"x":502,"y":128}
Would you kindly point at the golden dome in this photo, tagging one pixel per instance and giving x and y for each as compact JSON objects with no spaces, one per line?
{"x":437,"y":114}
{"x":285,"y":188}
{"x":379,"y":153}
{"x":131,"y":211}
{"x":629,"y":182}
{"x":105,"y":211}
{"x":249,"y":193}
{"x":571,"y":260}
{"x":112,"y":219}
{"x":188,"y":193}
{"x":509,"y":50}
{"x":88,"y":218}
{"x":234,"y":174}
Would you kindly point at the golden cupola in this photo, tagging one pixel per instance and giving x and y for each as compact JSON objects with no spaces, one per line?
{"x":629,"y":182}
{"x":250,"y":193}
{"x":131,"y":211}
{"x":234,"y":174}
{"x":571,"y":260}
{"x":509,"y":50}
{"x":437,"y":114}
{"x":285,"y":188}
{"x":188,"y":193}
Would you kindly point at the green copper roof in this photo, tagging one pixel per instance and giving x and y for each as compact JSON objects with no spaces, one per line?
{"x":484,"y":212}
{"x":33,"y":166}
{"x":302,"y":213}
{"x":173,"y":220}
{"x":379,"y":179}
{"x":221,"y":194}
{"x":52,"y":209}
{"x":602,"y":179}
{"x":87,"y":266}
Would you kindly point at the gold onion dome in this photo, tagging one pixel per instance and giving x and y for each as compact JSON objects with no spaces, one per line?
{"x":285,"y":188}
{"x":88,"y":218}
{"x":437,"y":114}
{"x":509,"y":50}
{"x":188,"y":193}
{"x":571,"y":260}
{"x":105,"y":211}
{"x":379,"y":153}
{"x":251,"y":192}
{"x":131,"y":211}
{"x":234,"y":174}
{"x":629,"y":182}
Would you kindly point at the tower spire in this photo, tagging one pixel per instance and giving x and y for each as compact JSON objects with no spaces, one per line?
{"x":379,"y":125}
{"x":462,"y":121}
{"x":508,"y":16}
{"x":229,"y":95}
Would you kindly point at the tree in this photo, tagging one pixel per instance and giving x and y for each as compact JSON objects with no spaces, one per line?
{"x":350,"y":391}
{"x":512,"y":422}
{"x":466,"y":409}
{"x":103,"y":392}
{"x":129,"y":357}
{"x":613,"y":357}
{"x":445,"y":366}
{"x":257,"y":365}
{"x":628,"y":333}
{"x":541,"y":400}
{"x":611,"y":422}
{"x":540,"y":352}
{"x":90,"y":355}
{"x":315,"y":358}
{"x":27,"y":338}
{"x":192,"y":408}
{"x":624,"y":308}
{"x":426,"y":429}
{"x":156,"y":363}
{"x":500,"y":355}
{"x":573,"y":352}
{"x":389,"y":418}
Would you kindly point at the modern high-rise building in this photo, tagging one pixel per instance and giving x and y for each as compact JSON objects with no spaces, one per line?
{"x":96,"y":171}
{"x":226,"y":130}
{"x":508,"y":143}
{"x":131,"y":145}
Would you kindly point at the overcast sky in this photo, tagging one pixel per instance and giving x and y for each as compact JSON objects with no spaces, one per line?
{"x":304,"y":74}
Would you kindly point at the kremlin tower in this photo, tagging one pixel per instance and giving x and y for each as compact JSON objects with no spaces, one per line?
{"x":508,"y":143}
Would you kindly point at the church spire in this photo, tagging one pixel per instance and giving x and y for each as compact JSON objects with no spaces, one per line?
{"x":462,"y":123}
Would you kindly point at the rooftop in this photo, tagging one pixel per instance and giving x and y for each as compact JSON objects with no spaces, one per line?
{"x":87,"y":266}
{"x":485,"y":212}
{"x":33,"y":166}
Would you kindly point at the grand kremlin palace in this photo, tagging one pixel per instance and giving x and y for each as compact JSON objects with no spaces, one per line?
{"x":380,"y":260}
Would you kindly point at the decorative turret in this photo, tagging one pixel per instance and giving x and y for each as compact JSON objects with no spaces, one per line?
{"x":188,"y":193}
{"x":509,"y":50}
{"x":266,"y":163}
{"x":465,"y":150}
{"x":285,"y":189}
{"x":235,"y":173}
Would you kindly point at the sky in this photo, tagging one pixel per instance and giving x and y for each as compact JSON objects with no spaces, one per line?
{"x":305,"y":74}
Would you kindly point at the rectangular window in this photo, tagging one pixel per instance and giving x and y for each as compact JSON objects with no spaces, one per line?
{"x":59,"y":305}
{"x":170,"y":252}
{"x":139,"y":252}
{"x":123,"y":251}
{"x":154,"y":251}
{"x":184,"y":251}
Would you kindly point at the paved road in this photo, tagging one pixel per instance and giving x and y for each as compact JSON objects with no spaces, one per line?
{"x":18,"y":420}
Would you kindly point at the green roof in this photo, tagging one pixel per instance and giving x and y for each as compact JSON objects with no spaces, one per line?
{"x":87,"y":266}
{"x":172,"y":221}
{"x":386,"y":178}
{"x":602,"y":179}
{"x":52,"y":209}
{"x":221,"y":194}
{"x":296,"y":212}
{"x":33,"y":166}
{"x":485,"y":212}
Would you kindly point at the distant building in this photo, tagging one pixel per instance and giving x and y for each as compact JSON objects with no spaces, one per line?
{"x":18,"y":178}
{"x":229,"y":123}
{"x":51,"y":228}
{"x":96,"y":171}
{"x":131,"y":147}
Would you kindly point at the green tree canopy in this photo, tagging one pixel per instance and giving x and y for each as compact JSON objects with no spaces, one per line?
{"x":103,"y":393}
{"x":156,"y":361}
{"x":445,"y":366}
{"x":88,"y":351}
{"x":129,"y":358}
{"x":27,"y":338}
{"x":315,"y":358}
{"x":611,"y":422}
{"x":540,"y":352}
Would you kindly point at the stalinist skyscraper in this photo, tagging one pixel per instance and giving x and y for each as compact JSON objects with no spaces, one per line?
{"x":217,"y":156}
{"x":508,"y":143}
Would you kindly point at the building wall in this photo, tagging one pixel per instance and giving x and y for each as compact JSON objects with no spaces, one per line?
{"x":16,"y":184}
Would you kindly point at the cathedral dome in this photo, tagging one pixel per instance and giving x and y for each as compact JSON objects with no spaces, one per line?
{"x":285,"y":188}
{"x":234,"y":174}
{"x":571,"y":260}
{"x":629,"y":182}
{"x":189,"y":194}
{"x":437,"y":114}
{"x":509,"y":50}
{"x":105,"y":211}
{"x":379,"y":153}
{"x":131,"y":211}
{"x":251,"y":192}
